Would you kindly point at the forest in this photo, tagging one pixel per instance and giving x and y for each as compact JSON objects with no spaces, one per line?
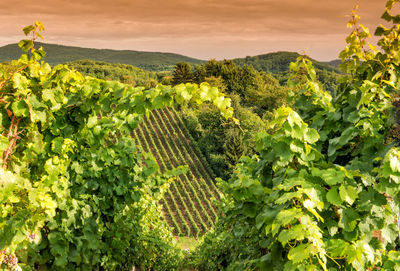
{"x":215,"y":165}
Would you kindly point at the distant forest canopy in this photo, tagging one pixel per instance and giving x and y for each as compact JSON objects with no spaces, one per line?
{"x":124,"y":73}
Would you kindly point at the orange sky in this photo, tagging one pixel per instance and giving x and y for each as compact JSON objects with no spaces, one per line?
{"x":198,"y":28}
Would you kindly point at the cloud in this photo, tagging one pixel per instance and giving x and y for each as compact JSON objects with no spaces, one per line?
{"x":225,"y":27}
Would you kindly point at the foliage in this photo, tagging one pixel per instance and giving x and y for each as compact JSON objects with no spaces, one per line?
{"x":126,"y":74}
{"x":254,"y":94}
{"x":278,"y":63}
{"x":182,"y":73}
{"x":75,"y":192}
{"x":323,"y":193}
{"x":223,"y":142}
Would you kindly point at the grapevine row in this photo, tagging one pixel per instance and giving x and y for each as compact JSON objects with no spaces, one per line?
{"x":190,"y":194}
{"x":189,"y":183}
{"x":193,"y":173}
{"x":183,"y":226}
{"x":190,"y":144}
{"x":166,"y":206}
{"x":177,"y":190}
{"x":184,"y":186}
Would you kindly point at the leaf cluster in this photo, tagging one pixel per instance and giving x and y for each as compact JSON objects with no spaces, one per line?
{"x":323,"y":192}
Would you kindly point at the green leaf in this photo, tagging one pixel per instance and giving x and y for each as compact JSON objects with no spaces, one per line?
{"x":395,"y":163}
{"x":349,"y":219}
{"x":301,"y":252}
{"x":56,"y":145}
{"x":332,"y":176}
{"x":25,"y":45}
{"x":333,"y":197}
{"x":337,"y":247}
{"x":386,"y":16}
{"x":92,"y":121}
{"x":28,"y":29}
{"x":21,"y":83}
{"x":389,"y":234}
{"x":285,"y":217}
{"x":20,"y":108}
{"x":311,"y":136}
{"x":296,"y":232}
{"x":348,"y":193}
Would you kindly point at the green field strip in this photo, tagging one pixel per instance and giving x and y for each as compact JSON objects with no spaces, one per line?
{"x":165,"y":145}
{"x":209,"y":212}
{"x":177,"y":151}
{"x":177,"y":189}
{"x":183,"y":225}
{"x":187,"y":139}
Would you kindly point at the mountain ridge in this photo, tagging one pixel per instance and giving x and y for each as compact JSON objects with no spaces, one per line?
{"x":155,"y":61}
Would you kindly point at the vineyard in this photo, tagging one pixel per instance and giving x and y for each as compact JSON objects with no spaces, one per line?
{"x":187,"y":205}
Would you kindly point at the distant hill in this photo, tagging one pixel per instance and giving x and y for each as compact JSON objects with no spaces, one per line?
{"x":275,"y":63}
{"x":57,"y":54}
{"x":334,"y":63}
{"x":121,"y":72}
{"x":279,"y":62}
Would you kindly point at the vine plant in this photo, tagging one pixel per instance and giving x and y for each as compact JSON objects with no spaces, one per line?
{"x":324,"y":191}
{"x":75,"y":193}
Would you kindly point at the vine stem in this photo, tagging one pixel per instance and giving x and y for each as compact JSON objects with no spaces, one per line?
{"x":13,"y":134}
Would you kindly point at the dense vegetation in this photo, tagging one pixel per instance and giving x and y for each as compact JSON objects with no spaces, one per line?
{"x":323,"y":191}
{"x":86,"y":170}
{"x":124,"y":73}
{"x":254,"y":94}
{"x":75,"y":192}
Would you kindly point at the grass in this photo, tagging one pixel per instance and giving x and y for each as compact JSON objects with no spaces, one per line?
{"x":187,"y":243}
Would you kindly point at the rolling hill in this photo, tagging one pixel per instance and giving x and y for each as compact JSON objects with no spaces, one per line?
{"x":57,"y":54}
{"x":278,"y":62}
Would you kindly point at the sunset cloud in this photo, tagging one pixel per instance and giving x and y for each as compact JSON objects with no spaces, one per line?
{"x":198,"y":28}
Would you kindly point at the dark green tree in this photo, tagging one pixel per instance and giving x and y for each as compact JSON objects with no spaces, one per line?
{"x":182,"y":73}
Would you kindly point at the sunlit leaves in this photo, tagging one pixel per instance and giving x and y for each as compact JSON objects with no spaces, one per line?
{"x":331,"y":178}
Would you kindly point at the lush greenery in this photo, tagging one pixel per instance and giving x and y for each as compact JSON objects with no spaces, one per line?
{"x":124,"y":73}
{"x":255,"y":94}
{"x":257,"y":88}
{"x":278,"y":63}
{"x":88,"y":167}
{"x":222,"y":142}
{"x":188,"y":205}
{"x":60,"y":54}
{"x":75,"y":191}
{"x":323,"y":191}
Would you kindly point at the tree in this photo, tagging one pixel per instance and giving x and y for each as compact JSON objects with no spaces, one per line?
{"x":182,"y":73}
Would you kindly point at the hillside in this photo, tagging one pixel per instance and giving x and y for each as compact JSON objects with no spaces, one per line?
{"x":334,"y":63}
{"x":120,"y":72}
{"x":155,"y":61}
{"x":56,"y":54}
{"x":187,"y":206}
{"x":279,"y":62}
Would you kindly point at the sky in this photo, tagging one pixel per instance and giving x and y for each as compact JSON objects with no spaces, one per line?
{"x":205,"y":29}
